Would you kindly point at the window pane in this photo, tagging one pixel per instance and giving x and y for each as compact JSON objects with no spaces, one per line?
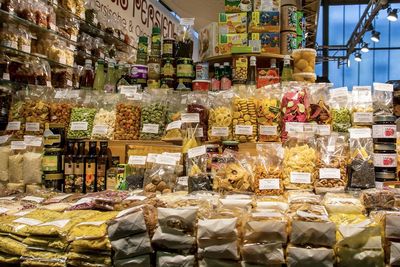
{"x":335,"y":73}
{"x":381,"y":67}
{"x":394,"y":65}
{"x":336,"y":25}
{"x":367,"y":68}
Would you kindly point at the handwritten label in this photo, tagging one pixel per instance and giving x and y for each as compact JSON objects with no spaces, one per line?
{"x":137,"y":160}
{"x":183,"y":180}
{"x":151,"y":157}
{"x":244,"y":129}
{"x":190,"y":117}
{"x":197,"y":151}
{"x":18,"y":145}
{"x":79,"y":126}
{"x":268,"y":184}
{"x":364,"y":117}
{"x":32,"y":126}
{"x":100,"y":129}
{"x":329,"y":173}
{"x":219,"y":131}
{"x":13,"y":126}
{"x":300,"y":177}
{"x":268,"y":130}
{"x":166,"y":160}
{"x":174,"y":125}
{"x":150,"y":128}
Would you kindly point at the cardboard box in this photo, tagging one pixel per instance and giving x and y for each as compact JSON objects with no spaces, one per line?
{"x":226,"y":41}
{"x":266,"y":5}
{"x":208,"y":41}
{"x":268,"y":42}
{"x":238,"y":6}
{"x":232,"y":23}
{"x":267,"y":21}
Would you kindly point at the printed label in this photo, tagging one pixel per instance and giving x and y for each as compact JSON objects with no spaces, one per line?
{"x":220,"y":131}
{"x":365,"y":117}
{"x":150,"y":128}
{"x":92,"y":223}
{"x":127,"y":90}
{"x":3,"y":210}
{"x":329,"y":173}
{"x":18,"y":145}
{"x":197,"y":151}
{"x":58,"y":223}
{"x":360,"y":133}
{"x":324,"y":130}
{"x":266,"y":184}
{"x":140,"y":198}
{"x":100,"y":129}
{"x":383,"y":87}
{"x":174,"y":125}
{"x":385,"y":160}
{"x":268,"y":130}
{"x":167,"y":160}
{"x":300,"y":177}
{"x":79,"y":126}
{"x":339,"y":92}
{"x":32,"y":126}
{"x":13,"y":126}
{"x":27,"y":221}
{"x":6,"y":76}
{"x":190,"y":117}
{"x":151,"y":157}
{"x":295,"y":127}
{"x":33,"y":199}
{"x":244,"y":129}
{"x":137,"y":160}
{"x":183,"y":180}
{"x":26,"y":48}
{"x":384,"y":131}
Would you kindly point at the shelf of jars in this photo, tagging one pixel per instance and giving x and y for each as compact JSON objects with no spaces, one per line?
{"x":261,"y":56}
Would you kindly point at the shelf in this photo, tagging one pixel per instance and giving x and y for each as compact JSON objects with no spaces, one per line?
{"x":222,"y":58}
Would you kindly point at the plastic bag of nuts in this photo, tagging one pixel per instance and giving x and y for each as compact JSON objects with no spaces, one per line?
{"x":127,"y":123}
{"x":104,"y":121}
{"x":244,"y":118}
{"x":60,"y":108}
{"x":269,"y":114}
{"x":153,"y":117}
{"x":16,"y":116}
{"x":332,"y":163}
{"x":198,"y":103}
{"x":37,"y":111}
{"x":362,"y":108}
{"x":220,"y":117}
{"x":176,"y":106}
{"x":268,"y":169}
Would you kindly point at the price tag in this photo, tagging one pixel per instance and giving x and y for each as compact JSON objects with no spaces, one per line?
{"x":30,"y":140}
{"x":167,"y":160}
{"x":294,"y":127}
{"x":268,"y":130}
{"x":364,"y":117}
{"x":18,"y":145}
{"x":14,"y":126}
{"x":4,"y":138}
{"x":199,"y":133}
{"x":74,"y":38}
{"x":150,"y":128}
{"x":244,"y":129}
{"x":14,"y":45}
{"x":79,"y":126}
{"x":177,"y":155}
{"x":137,"y":160}
{"x":190,"y":117}
{"x":361,"y":94}
{"x":62,"y":60}
{"x":74,"y":94}
{"x":385,"y":160}
{"x":324,"y":130}
{"x":151,"y":157}
{"x":360,"y":132}
{"x":69,"y":83}
{"x":136,"y":97}
{"x":300,"y":177}
{"x":100,"y":129}
{"x":339,"y":92}
{"x":383,"y":87}
{"x":52,"y":26}
{"x":329,"y":173}
{"x":127,"y":90}
{"x":174,"y":125}
{"x":3,"y":210}
{"x":384,"y":131}
{"x":48,"y":83}
{"x":267,"y":184}
{"x":33,"y":199}
{"x":27,"y":221}
{"x":58,"y":223}
{"x":26,"y":48}
{"x":32,"y":127}
{"x":60,"y":94}
{"x":6,"y":76}
{"x":183,"y":180}
{"x":197,"y":151}
{"x":219,"y":131}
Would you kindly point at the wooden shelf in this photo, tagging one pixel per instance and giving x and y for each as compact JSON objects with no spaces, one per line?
{"x":222,"y":58}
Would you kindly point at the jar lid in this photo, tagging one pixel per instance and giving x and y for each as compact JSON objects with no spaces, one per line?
{"x":385,"y":146}
{"x":230,"y":143}
{"x":156,"y":30}
{"x":201,"y":81}
{"x":143,"y":39}
{"x":169,"y":39}
{"x":385,"y":175}
{"x":53,"y":150}
{"x":385,"y":118}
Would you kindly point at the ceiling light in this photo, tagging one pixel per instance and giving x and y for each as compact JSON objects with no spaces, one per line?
{"x":392,"y":14}
{"x":364,"y":48}
{"x":357,"y":57}
{"x":375,"y":36}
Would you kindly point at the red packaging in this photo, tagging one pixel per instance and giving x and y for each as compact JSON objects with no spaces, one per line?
{"x":267,"y":76}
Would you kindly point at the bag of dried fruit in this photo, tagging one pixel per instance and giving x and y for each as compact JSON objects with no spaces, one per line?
{"x":60,"y":107}
{"x":340,"y":102}
{"x":294,"y":105}
{"x":299,"y":162}
{"x":16,"y":116}
{"x":361,"y":169}
{"x":175,"y":107}
{"x":37,"y":111}
{"x":332,"y":163}
{"x":220,"y":116}
{"x":244,"y":115}
{"x":153,"y":117}
{"x":319,"y":111}
{"x":268,"y":169}
{"x":268,"y":102}
{"x":362,"y":108}
{"x":196,"y":169}
{"x":197,"y":103}
{"x":127,"y":123}
{"x":104,"y":121}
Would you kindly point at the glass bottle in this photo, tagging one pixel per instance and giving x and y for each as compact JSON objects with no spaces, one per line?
{"x":110,"y":82}
{"x":69,"y":173}
{"x":251,"y":78}
{"x":216,"y":80}
{"x":79,"y":168}
{"x":4,"y":67}
{"x":287,"y":69}
{"x":86,"y":79}
{"x":226,"y":80}
{"x":102,"y":167}
{"x":156,"y":41}
{"x":90,"y":167}
{"x":99,"y":78}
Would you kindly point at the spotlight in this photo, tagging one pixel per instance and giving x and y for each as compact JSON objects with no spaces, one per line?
{"x":392,"y":14}
{"x":364,"y":48}
{"x":357,"y":57}
{"x":375,"y":36}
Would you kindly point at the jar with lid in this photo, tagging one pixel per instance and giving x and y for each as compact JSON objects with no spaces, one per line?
{"x":168,"y":68}
{"x":141,"y":57}
{"x":156,"y":41}
{"x":385,"y":158}
{"x":232,"y":145}
{"x":184,"y":73}
{"x":168,"y":47}
{"x":86,"y":79}
{"x":154,"y":65}
{"x":54,"y":135}
{"x":384,"y":129}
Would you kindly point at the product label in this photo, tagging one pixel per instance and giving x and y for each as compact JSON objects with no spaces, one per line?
{"x":69,"y":168}
{"x":226,"y":83}
{"x":32,"y":126}
{"x":168,"y":70}
{"x":244,"y":129}
{"x":168,"y":48}
{"x":4,"y":138}
{"x":167,"y":160}
{"x":360,"y":132}
{"x":3,"y":210}
{"x":268,"y":130}
{"x":183,"y":180}
{"x":90,"y":173}
{"x":100,"y":129}
{"x":184,"y":70}
{"x":339,"y":92}
{"x":362,"y":94}
{"x":329,"y":173}
{"x":364,"y":117}
{"x":78,"y":169}
{"x":385,"y":160}
{"x":295,"y":127}
{"x":30,"y":140}
{"x":62,"y":60}
{"x":176,"y":155}
{"x":267,"y":184}
{"x":6,"y":76}
{"x":150,"y":128}
{"x":300,"y":177}
{"x":79,"y":126}
{"x":50,"y":163}
{"x":14,"y":126}
{"x":197,"y":151}
{"x":215,"y":84}
{"x":127,"y":90}
{"x":199,"y":133}
{"x":26,"y":48}
{"x":174,"y":125}
{"x":384,"y":131}
{"x":151,"y":157}
{"x":137,"y":160}
{"x":58,"y":223}
{"x":324,"y":130}
{"x":383,"y":87}
{"x":18,"y":145}
{"x":27,"y":221}
{"x":219,"y":131}
{"x":190,"y":118}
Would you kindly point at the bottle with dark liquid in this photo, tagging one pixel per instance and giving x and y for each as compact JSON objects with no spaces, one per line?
{"x":79,"y":168}
{"x":102,"y":167}
{"x":90,"y":167}
{"x":86,"y":79}
{"x":69,"y":174}
{"x":251,"y":78}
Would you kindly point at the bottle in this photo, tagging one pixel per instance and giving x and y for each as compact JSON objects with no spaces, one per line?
{"x":156,"y":41}
{"x":99,"y":78}
{"x":109,"y":84}
{"x":79,"y":168}
{"x":251,"y":78}
{"x":226,"y":80}
{"x":102,"y":167}
{"x":86,"y":79}
{"x":90,"y":167}
{"x":287,"y":69}
{"x":69,"y":173}
{"x":216,"y":80}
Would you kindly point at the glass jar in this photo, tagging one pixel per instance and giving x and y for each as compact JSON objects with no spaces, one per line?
{"x":54,"y":181}
{"x":384,"y":129}
{"x":385,"y":176}
{"x":385,"y":158}
{"x":154,"y":66}
{"x":52,"y":160}
{"x":168,"y":68}
{"x":184,"y":73}
{"x":232,"y":145}
{"x":54,"y":135}
{"x":168,"y":47}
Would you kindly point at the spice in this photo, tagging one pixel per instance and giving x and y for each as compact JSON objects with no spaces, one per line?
{"x":32,"y":168}
{"x":81,"y":122}
{"x":15,"y":168}
{"x":153,"y":121}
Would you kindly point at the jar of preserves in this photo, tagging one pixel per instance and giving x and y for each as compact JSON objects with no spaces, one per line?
{"x":168,"y":68}
{"x":184,"y":73}
{"x":154,"y":66}
{"x":385,"y":158}
{"x":168,"y":47}
{"x":384,"y":129}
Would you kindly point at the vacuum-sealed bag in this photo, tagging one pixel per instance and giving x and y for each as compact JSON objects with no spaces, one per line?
{"x":310,"y":257}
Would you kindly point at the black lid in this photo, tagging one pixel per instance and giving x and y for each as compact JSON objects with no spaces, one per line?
{"x":385,"y":146}
{"x":384,"y":118}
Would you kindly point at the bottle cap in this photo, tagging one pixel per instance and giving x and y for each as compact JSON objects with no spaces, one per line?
{"x":143,"y":39}
{"x":155,"y":31}
{"x":216,"y":64}
{"x":88,"y":62}
{"x":226,"y":64}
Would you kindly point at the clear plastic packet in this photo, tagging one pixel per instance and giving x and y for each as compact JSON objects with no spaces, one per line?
{"x":196,"y":169}
{"x":319,"y":110}
{"x":32,"y":161}
{"x":278,"y":203}
{"x":310,"y":257}
{"x":377,"y":199}
{"x":362,"y":108}
{"x":175,"y":107}
{"x":361,"y":165}
{"x":15,"y":162}
{"x":332,"y":163}
{"x":360,"y":257}
{"x":170,"y":259}
{"x":104,"y":121}
{"x":220,"y":116}
{"x":244,"y":124}
{"x":60,"y":107}
{"x":302,"y":196}
{"x":37,"y":111}
{"x":203,"y":202}
{"x":268,"y":169}
{"x":262,"y":254}
{"x":81,"y":122}
{"x":16,"y":116}
{"x":127,"y":124}
{"x":235,"y":173}
{"x":198,"y":102}
{"x":162,"y":176}
{"x":340,"y":102}
{"x":342,"y":203}
{"x":153,"y":116}
{"x":5,"y":151}
{"x":299,"y":163}
{"x":383,"y":99}
{"x":269,"y":114}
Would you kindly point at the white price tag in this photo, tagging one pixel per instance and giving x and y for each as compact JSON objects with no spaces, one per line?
{"x":100,"y":129}
{"x":167,"y":160}
{"x":267,"y":184}
{"x":199,"y":133}
{"x":74,"y":38}
{"x":363,"y":117}
{"x":52,"y":26}
{"x":84,"y":201}
{"x":6,"y":76}
{"x":137,"y":160}
{"x":384,"y":131}
{"x":30,"y":140}
{"x":135,"y":97}
{"x":324,"y":130}
{"x":183,"y":180}
{"x":18,"y":145}
{"x":48,"y":83}
{"x":32,"y":127}
{"x":79,"y":126}
{"x":74,"y":94}
{"x":294,"y":127}
{"x":60,"y":94}
{"x":140,"y":198}
{"x":174,"y":125}
{"x":26,"y":48}
{"x":150,"y":128}
{"x":244,"y":129}
{"x":176,"y":155}
{"x":3,"y":210}
{"x":329,"y":173}
{"x":33,"y":199}
{"x":62,"y":60}
{"x":69,"y":83}
{"x":4,"y":138}
{"x":385,"y":160}
{"x":339,"y":92}
{"x":361,"y":94}
{"x":220,"y":131}
{"x":268,"y":130}
{"x":58,"y":223}
{"x":98,"y":223}
{"x":300,"y":177}
{"x":197,"y":151}
{"x":27,"y":221}
{"x":127,"y":90}
{"x":360,"y":132}
{"x":190,"y":117}
{"x":383,"y":87}
{"x":14,"y":126}
{"x":151,"y":157}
